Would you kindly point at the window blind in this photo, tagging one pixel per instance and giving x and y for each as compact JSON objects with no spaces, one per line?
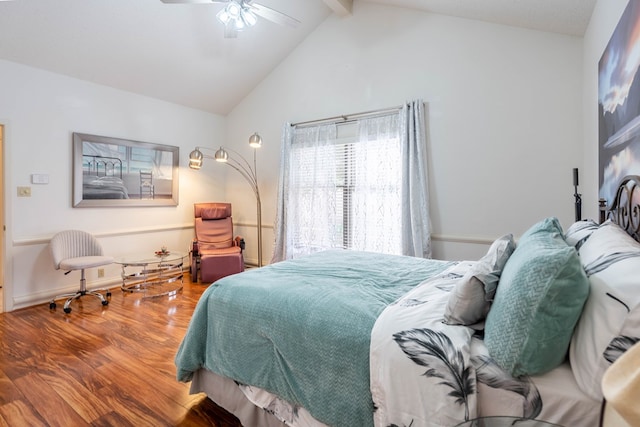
{"x":345,"y":191}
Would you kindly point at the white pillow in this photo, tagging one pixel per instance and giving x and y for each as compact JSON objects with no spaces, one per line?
{"x":579,"y":232}
{"x":611,"y":259}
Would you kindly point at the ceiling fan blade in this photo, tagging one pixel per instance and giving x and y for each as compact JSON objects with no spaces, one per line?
{"x":273,"y":15}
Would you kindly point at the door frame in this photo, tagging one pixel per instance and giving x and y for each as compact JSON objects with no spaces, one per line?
{"x":7,"y":290}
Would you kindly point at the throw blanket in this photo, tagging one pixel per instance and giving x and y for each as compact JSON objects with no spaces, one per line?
{"x":301,"y":328}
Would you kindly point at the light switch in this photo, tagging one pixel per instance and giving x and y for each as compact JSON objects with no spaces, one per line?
{"x":39,"y":178}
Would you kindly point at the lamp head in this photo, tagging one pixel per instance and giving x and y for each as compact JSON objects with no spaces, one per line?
{"x":255,"y":140}
{"x":221,"y":155}
{"x":195,"y":159}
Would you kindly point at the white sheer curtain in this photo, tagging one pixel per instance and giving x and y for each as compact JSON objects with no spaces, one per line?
{"x":416,"y":223}
{"x":365,"y":192}
{"x":376,"y":197}
{"x":307,"y":197}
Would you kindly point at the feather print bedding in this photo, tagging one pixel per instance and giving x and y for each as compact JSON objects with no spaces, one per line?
{"x":425,"y":373}
{"x":413,"y":351}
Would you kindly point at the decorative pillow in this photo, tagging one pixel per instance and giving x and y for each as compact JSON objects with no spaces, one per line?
{"x":539,"y":299}
{"x":579,"y":232}
{"x":471,"y":298}
{"x":611,"y":259}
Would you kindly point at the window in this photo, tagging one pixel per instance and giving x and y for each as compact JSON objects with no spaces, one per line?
{"x":345,"y":190}
{"x":360,"y":185}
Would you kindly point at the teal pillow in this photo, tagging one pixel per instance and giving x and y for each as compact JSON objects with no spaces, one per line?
{"x":540,"y":296}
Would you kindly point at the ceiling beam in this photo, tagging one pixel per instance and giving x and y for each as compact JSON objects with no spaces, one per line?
{"x":340,"y":7}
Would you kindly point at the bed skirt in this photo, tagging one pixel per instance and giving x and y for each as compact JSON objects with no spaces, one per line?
{"x":226,"y":394}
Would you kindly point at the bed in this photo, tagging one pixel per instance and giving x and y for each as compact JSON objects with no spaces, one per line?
{"x":345,"y":338}
{"x":102,"y":178}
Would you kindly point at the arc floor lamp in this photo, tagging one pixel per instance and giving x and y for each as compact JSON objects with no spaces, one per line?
{"x":196,"y":158}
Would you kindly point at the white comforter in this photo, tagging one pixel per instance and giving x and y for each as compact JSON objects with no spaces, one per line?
{"x":421,"y":373}
{"x":425,"y":373}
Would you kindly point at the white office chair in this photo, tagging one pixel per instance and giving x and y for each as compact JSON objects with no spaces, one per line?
{"x":77,"y":250}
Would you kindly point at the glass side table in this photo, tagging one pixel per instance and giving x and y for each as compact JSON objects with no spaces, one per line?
{"x":505,"y":422}
{"x":152,"y":275}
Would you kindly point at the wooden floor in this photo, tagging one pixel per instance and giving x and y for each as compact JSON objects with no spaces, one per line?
{"x":101,"y":366}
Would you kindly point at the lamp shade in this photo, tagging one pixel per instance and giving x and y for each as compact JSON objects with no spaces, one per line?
{"x":255,"y":140}
{"x":621,"y":387}
{"x":221,"y":155}
{"x":195,"y":159}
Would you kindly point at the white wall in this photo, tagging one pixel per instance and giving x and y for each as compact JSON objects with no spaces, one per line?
{"x":603,"y":22}
{"x":504,"y":110}
{"x":41,"y":110}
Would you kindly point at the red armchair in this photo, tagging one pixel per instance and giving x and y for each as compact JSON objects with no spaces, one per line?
{"x":215,"y":252}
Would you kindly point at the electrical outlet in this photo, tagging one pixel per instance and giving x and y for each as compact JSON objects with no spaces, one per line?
{"x":101,"y":272}
{"x":24,"y":191}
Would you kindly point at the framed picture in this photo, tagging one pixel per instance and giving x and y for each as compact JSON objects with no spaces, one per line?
{"x":619,"y":104}
{"x":114,"y":172}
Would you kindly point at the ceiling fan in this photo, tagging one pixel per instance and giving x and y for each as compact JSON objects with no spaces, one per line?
{"x":238,"y":15}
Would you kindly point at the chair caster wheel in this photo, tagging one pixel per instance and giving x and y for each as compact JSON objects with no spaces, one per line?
{"x":108,"y":294}
{"x":67,"y":310}
{"x":105,"y":302}
{"x":52,"y":306}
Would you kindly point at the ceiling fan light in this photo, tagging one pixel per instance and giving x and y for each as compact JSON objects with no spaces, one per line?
{"x":248,"y":17}
{"x":233,"y":9}
{"x":223,"y":16}
{"x":239,"y":24}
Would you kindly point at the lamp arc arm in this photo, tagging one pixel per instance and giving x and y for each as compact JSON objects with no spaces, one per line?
{"x":246,"y":166}
{"x":250,"y":179}
{"x":244,"y":169}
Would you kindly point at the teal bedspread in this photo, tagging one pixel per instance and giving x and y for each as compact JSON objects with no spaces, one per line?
{"x":301,"y":328}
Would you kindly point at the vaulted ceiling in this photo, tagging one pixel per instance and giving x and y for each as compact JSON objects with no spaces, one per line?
{"x":178,"y":53}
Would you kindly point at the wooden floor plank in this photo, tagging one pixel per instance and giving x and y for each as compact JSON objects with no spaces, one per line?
{"x":147,"y":395}
{"x":133,"y":406}
{"x":101,"y":365}
{"x":85,"y":403}
{"x":18,"y":413}
{"x":159,"y":380}
{"x":8,"y":390}
{"x":81,"y":371}
{"x":47,"y":402}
